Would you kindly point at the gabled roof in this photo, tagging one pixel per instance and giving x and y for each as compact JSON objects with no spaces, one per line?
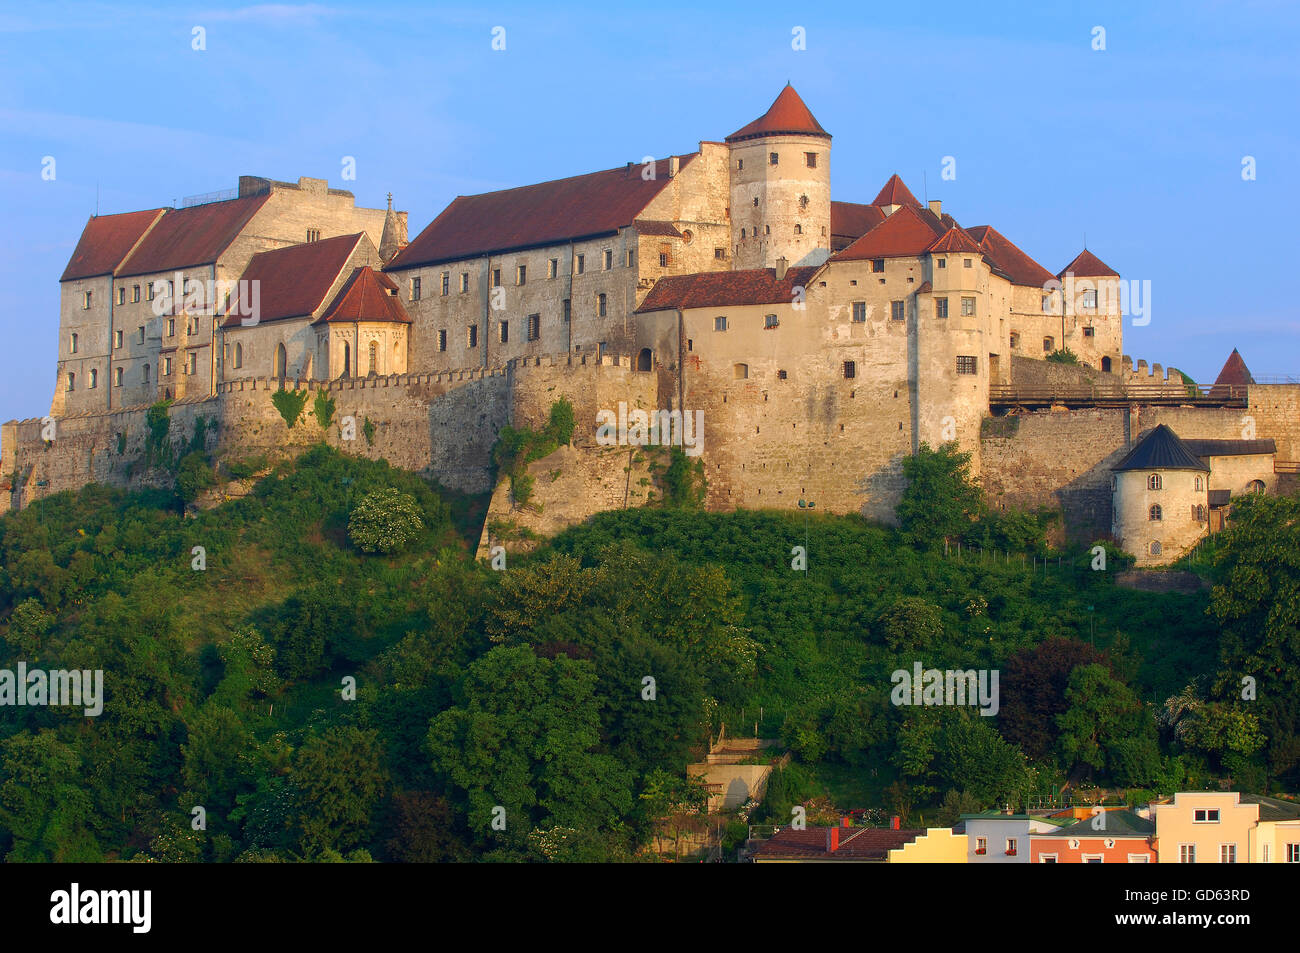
{"x":855,"y":843}
{"x":852,"y":220}
{"x":788,"y":115}
{"x":293,"y":282}
{"x":956,"y":240}
{"x":1161,"y":450}
{"x":191,"y":236}
{"x":1273,"y":808}
{"x":716,"y":289}
{"x":896,"y":193}
{"x":106,"y":240}
{"x":1019,"y":268}
{"x":1087,"y":265}
{"x":1234,"y":371}
{"x":582,"y":206}
{"x":906,"y":233}
{"x":368,"y":295}
{"x":1118,"y":824}
{"x":1229,"y":448}
{"x":646,"y":226}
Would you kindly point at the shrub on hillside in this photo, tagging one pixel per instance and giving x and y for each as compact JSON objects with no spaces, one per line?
{"x":385,"y":521}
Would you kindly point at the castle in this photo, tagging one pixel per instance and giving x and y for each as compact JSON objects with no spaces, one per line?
{"x":820,"y":341}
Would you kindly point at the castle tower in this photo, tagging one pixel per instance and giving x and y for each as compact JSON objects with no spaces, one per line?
{"x":1159,"y":498}
{"x":780,"y":171}
{"x":393,"y":238}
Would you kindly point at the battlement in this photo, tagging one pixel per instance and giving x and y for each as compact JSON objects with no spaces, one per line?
{"x":1149,"y":374}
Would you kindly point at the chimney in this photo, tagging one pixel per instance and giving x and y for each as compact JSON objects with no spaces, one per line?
{"x":833,"y":839}
{"x":629,"y":170}
{"x":846,"y":822}
{"x":894,"y":822}
{"x":936,"y":206}
{"x":672,"y":166}
{"x":781,"y":266}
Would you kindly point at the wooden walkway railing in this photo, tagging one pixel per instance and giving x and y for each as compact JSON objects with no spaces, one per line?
{"x":1102,"y":395}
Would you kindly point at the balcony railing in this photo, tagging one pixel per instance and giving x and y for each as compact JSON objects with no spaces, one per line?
{"x":1106,"y":393}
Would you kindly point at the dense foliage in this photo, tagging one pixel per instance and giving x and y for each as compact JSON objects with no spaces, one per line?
{"x":320,"y":702}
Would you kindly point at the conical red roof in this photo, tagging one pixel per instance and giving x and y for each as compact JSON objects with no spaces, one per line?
{"x":787,"y":116}
{"x":1234,"y":371}
{"x":1087,"y":265}
{"x":896,"y":193}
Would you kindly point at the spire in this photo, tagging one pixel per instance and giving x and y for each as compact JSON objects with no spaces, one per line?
{"x":788,"y":115}
{"x":394,"y":235}
{"x":895,"y":195}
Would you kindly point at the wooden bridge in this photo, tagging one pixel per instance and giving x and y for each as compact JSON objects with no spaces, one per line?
{"x":1006,"y":396}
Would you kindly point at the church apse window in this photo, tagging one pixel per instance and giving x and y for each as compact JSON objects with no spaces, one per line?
{"x":1154,"y":482}
{"x":1155,"y":514}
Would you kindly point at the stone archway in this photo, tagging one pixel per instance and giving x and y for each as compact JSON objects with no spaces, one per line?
{"x":644,"y":360}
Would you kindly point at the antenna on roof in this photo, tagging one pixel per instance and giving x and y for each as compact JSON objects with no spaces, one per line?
{"x":925,"y":187}
{"x":1085,"y":241}
{"x":97,"y":198}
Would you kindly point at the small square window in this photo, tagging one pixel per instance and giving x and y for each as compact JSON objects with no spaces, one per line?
{"x":552,"y":268}
{"x":942,"y":263}
{"x":966,"y":263}
{"x":771,"y":158}
{"x":967,"y":306}
{"x":1089,"y":332}
{"x":811,"y":159}
{"x":850,"y":370}
{"x":720,"y":324}
{"x":781,"y":375}
{"x":770,"y":321}
{"x":965,"y":364}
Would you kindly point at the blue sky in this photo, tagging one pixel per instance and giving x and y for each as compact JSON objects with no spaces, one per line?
{"x":1139,"y":146}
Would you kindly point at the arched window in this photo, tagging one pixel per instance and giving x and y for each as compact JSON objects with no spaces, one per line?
{"x":372,"y":353}
{"x":94,"y":378}
{"x":1048,"y":345}
{"x":1200,"y":513}
{"x":281,"y":361}
{"x":1153,"y":481}
{"x":741,"y":371}
{"x":1105,"y":364}
{"x":1155,"y":514}
{"x":1155,"y":548}
{"x":1255,"y":486}
{"x":798,"y":229}
{"x":643,"y":360}
{"x":1198,"y":483}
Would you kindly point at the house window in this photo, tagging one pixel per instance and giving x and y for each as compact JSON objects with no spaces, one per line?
{"x":897,"y":310}
{"x":85,"y":301}
{"x":981,"y":845}
{"x":313,"y":234}
{"x":442,"y":339}
{"x":167,"y":367}
{"x":1047,"y":858}
{"x":966,"y":263}
{"x":415,"y":289}
{"x":72,"y":344}
{"x":580,"y":264}
{"x":1155,"y":549}
{"x":1204,"y":815}
{"x":850,"y":370}
{"x":446,"y":283}
{"x":600,"y":305}
{"x":194,"y":363}
{"x":521,"y":275}
{"x":1093,"y":859}
{"x":1187,"y":853}
{"x":464,"y":282}
{"x":810,"y":158}
{"x":608,"y":259}
{"x":1049,"y":345}
{"x":1199,"y":512}
{"x":121,"y":295}
{"x":552,"y":268}
{"x":781,"y":375}
{"x":171,"y":327}
{"x":1089,"y":332}
{"x":1255,"y":486}
{"x":1227,"y":853}
{"x":798,"y":229}
{"x":1090,"y":299}
{"x":72,"y":382}
{"x":1197,"y":483}
{"x":135,"y":294}
{"x":860,"y":311}
{"x":740,"y":371}
{"x":1293,"y":853}
{"x":1153,"y":481}
{"x":1015,"y":339}
{"x":771,"y":158}
{"x":720,"y":254}
{"x":965,"y":364}
{"x":151,"y":290}
{"x":720,"y":324}
{"x":941,"y":307}
{"x":534,"y":327}
{"x":1264,"y":853}
{"x":942,"y":263}
{"x":496,"y":277}
{"x":140,"y":331}
{"x":690,"y":344}
{"x":567,"y":309}
{"x":1155,"y":514}
{"x":471,"y":336}
{"x":1046,"y":304}
{"x":770,"y":321}
{"x":967,"y":307}
{"x":504,"y":332}
{"x":117,"y":377}
{"x":1011,"y":846}
{"x":665,"y":255}
{"x":877,"y":264}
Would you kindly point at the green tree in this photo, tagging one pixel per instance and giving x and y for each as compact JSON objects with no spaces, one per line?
{"x":385,"y":521}
{"x":941,"y":499}
{"x":340,"y":778}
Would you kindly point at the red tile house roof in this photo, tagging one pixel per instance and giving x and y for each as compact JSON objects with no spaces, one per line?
{"x":106,"y":240}
{"x":850,"y":220}
{"x":583,"y":206}
{"x":956,"y":240}
{"x":906,"y":233}
{"x":853,"y":844}
{"x":896,"y":193}
{"x":788,"y":115}
{"x":1014,"y":263}
{"x":368,"y":295}
{"x":294,"y":281}
{"x":1088,"y":265}
{"x":721,"y":288}
{"x":191,"y":236}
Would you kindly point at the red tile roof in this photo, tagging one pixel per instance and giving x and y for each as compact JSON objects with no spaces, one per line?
{"x":294,"y":281}
{"x":645,"y":226}
{"x":853,"y":220}
{"x":191,"y":236}
{"x":956,"y":240}
{"x":1088,"y":265}
{"x":583,"y":206}
{"x":721,"y":288}
{"x":906,"y":233}
{"x":788,"y":115}
{"x":105,"y":241}
{"x":855,"y":843}
{"x":896,"y":193}
{"x":1234,"y":371}
{"x":368,"y":295}
{"x":1009,"y":259}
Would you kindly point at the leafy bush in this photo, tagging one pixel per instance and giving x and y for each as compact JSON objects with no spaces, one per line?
{"x":157,"y":447}
{"x":385,"y":521}
{"x":684,"y":482}
{"x":368,"y":428}
{"x":516,"y":447}
{"x":323,"y":408}
{"x":194,"y":475}
{"x":1063,"y":356}
{"x":290,"y":404}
